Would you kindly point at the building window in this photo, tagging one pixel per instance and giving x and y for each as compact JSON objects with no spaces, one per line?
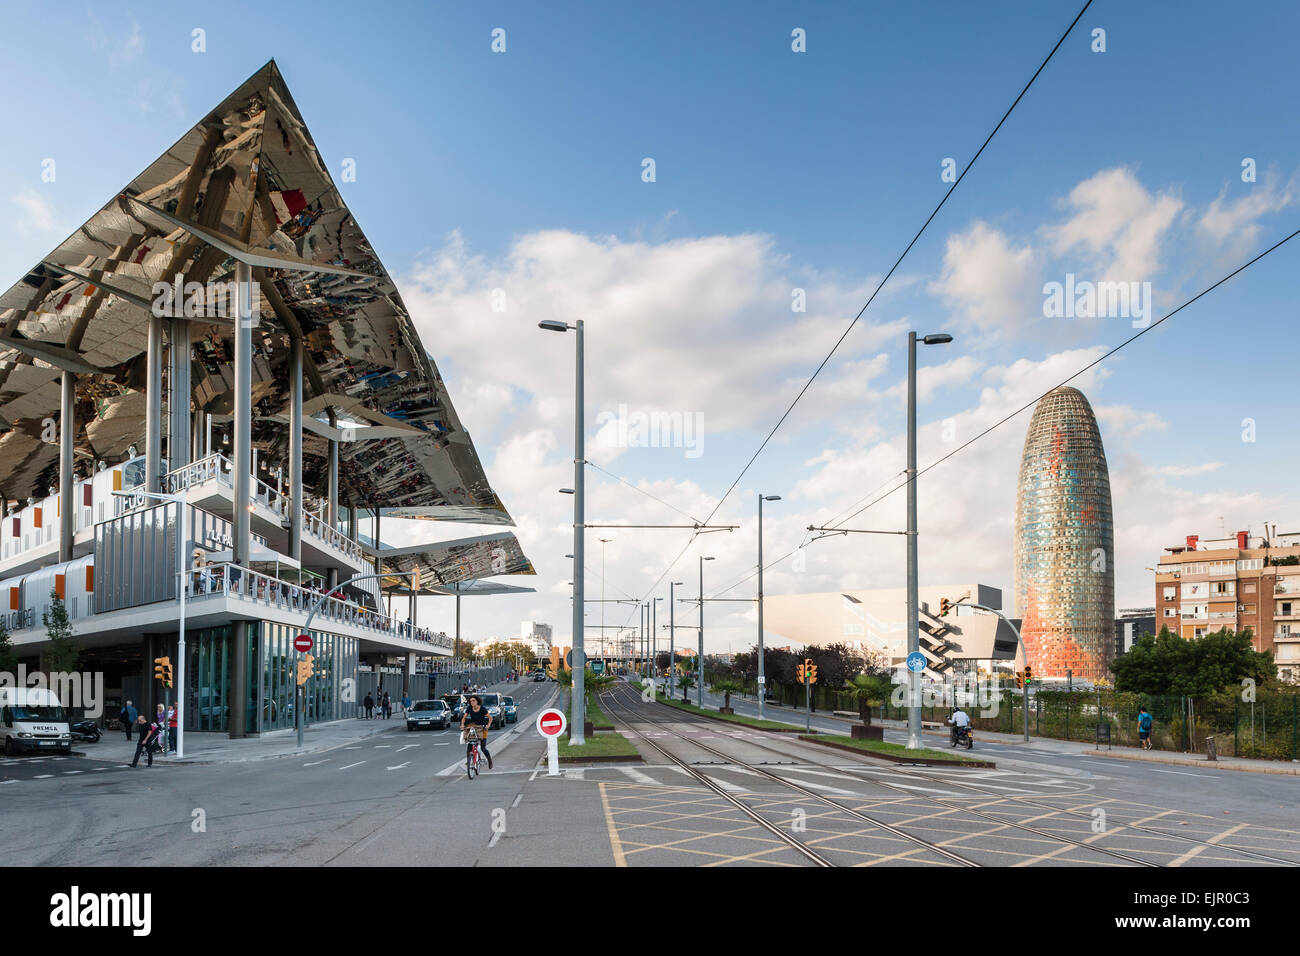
{"x":1171,"y":592}
{"x":1171,"y":612}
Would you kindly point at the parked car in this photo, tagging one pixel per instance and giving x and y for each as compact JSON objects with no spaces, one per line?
{"x":457,"y":704}
{"x":425,"y":714}
{"x":511,"y":709}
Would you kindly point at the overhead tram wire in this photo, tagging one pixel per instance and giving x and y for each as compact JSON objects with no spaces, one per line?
{"x":957,"y":182}
{"x":646,"y":493}
{"x":1091,"y":365}
{"x":897,"y":262}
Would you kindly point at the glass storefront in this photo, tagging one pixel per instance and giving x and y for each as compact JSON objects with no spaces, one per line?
{"x":330,"y":693}
{"x":272,"y":665}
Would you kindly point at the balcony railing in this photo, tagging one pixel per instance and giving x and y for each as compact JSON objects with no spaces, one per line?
{"x":233,"y":581}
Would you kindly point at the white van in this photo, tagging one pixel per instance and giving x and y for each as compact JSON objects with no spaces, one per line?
{"x":34,"y":721}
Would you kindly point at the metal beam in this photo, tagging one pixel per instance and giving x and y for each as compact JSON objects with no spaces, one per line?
{"x":153,"y":407}
{"x":67,"y":432}
{"x":295,"y":449}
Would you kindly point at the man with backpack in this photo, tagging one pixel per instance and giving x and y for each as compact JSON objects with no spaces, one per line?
{"x":1144,"y":728}
{"x":148,"y":742}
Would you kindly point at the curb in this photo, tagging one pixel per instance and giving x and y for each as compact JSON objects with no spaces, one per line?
{"x":1278,"y":770}
{"x":608,"y":758}
{"x":737,"y":723}
{"x":927,"y":762}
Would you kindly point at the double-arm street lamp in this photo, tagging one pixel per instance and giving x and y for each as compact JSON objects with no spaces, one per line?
{"x":578,"y":715}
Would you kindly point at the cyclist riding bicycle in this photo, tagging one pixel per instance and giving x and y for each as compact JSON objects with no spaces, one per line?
{"x":477,"y":716}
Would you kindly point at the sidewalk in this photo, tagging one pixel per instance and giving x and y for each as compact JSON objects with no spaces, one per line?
{"x":217,"y":748}
{"x":1071,"y":747}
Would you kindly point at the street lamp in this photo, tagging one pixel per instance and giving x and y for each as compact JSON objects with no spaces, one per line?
{"x":699,"y":663}
{"x":182,"y":703}
{"x":762,"y":678}
{"x":577,"y":720}
{"x":603,"y":542}
{"x":913,"y":599}
{"x":672,"y":636}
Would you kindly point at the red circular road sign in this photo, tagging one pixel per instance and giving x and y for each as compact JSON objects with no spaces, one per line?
{"x":551,"y":723}
{"x":302,"y":643}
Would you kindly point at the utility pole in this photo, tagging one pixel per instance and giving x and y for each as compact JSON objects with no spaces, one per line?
{"x":762,"y":677}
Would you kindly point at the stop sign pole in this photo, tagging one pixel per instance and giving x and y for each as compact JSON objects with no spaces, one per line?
{"x":550,"y":724}
{"x":302,"y":644}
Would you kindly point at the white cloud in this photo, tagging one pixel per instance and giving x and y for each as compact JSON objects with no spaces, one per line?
{"x":38,"y":214}
{"x":1117,"y":225}
{"x":1234,"y":222}
{"x":988,"y":281}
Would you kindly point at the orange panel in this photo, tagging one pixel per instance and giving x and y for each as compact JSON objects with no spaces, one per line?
{"x":39,"y":518}
{"x":90,"y":579}
{"x":60,"y":586}
{"x":117,"y":479}
{"x":13,"y":599}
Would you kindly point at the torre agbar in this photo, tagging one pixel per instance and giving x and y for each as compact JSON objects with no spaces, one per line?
{"x":205,"y":392}
{"x":1065,"y":580}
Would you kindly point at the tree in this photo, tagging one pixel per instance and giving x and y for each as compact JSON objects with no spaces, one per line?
{"x":1169,"y":665}
{"x":506,"y":650}
{"x":686,"y":682}
{"x":868,"y":690}
{"x":8,"y":656}
{"x":61,"y":657}
{"x":727,"y":686}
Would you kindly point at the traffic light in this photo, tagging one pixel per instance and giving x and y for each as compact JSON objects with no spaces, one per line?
{"x":812,"y":673}
{"x":162,"y":670}
{"x":798,"y":670}
{"x":1028,"y":676}
{"x":304,"y":668}
{"x":1020,"y":678}
{"x":944,"y":607}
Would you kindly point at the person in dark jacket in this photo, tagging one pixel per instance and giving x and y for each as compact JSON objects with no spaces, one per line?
{"x":387,"y":706}
{"x":369,"y":704}
{"x":148,"y":740}
{"x":127,"y":717}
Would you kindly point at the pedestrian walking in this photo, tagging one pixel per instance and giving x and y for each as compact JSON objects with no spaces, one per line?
{"x":147,"y":742}
{"x":370,"y":706}
{"x":406,"y":703}
{"x":160,"y":718}
{"x":388,"y":706}
{"x":173,"y":718}
{"x":127,"y":717}
{"x":1144,"y":728}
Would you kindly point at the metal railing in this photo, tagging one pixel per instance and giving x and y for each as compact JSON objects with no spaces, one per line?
{"x":231,"y":580}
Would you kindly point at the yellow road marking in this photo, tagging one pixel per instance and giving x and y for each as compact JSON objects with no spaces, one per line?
{"x":614,"y":843}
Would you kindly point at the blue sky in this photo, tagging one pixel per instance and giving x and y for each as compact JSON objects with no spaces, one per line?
{"x":477,"y":170}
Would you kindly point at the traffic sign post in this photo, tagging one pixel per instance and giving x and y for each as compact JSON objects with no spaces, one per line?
{"x":550,"y":724}
{"x":302,"y":644}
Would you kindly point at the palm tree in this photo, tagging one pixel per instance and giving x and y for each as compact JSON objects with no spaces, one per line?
{"x":728,"y":686}
{"x":867,"y":690}
{"x":687,"y":682}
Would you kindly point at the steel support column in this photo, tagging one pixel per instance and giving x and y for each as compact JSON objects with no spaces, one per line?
{"x":178,"y":393}
{"x":153,"y":407}
{"x":67,"y":434}
{"x":295,"y":450}
{"x":242,"y":455}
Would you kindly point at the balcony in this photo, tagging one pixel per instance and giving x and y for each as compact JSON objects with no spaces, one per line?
{"x":264,"y":591}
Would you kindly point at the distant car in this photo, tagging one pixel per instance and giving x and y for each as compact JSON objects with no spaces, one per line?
{"x":511,"y":709}
{"x":426,"y":714}
{"x":539,"y":677}
{"x":456,"y":703}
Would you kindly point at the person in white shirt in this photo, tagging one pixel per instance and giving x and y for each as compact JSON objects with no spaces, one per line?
{"x":959,"y":720}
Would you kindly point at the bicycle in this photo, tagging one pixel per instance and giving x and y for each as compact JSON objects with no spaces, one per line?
{"x":471,"y":736}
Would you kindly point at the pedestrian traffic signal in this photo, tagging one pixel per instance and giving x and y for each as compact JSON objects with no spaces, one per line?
{"x":944,"y":607}
{"x":812,"y":673}
{"x":162,"y":670}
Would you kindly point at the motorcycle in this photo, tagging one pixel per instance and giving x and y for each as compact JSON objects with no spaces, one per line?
{"x":962,"y":735}
{"x":86,"y":730}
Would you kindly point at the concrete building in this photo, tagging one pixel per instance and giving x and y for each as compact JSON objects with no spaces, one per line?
{"x":1131,"y":624}
{"x":237,"y":387}
{"x":1243,"y":581}
{"x":1064,"y":541}
{"x":876,"y":622}
{"x":537,"y":636}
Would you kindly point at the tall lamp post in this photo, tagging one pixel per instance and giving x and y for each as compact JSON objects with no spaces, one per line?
{"x":603,"y":542}
{"x":762,"y":678}
{"x":672,"y":635}
{"x":913,"y":599}
{"x":578,"y":715}
{"x":699,"y":661}
{"x":181,"y":703}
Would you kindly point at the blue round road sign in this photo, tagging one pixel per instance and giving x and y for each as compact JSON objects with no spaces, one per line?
{"x":916,"y":662}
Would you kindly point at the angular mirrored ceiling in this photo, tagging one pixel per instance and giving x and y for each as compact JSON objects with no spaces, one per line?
{"x":247,"y":182}
{"x":446,"y":563}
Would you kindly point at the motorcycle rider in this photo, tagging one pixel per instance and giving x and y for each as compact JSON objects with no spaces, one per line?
{"x":960,"y":721}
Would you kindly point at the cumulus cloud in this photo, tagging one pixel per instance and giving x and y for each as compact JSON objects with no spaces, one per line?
{"x":1235,"y":222}
{"x":37,"y":212}
{"x":988,"y":280}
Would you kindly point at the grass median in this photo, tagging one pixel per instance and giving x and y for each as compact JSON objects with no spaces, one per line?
{"x":607,"y":745}
{"x":730,"y":718}
{"x":894,"y":750}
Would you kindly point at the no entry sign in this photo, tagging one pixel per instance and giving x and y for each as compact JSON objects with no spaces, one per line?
{"x":302,"y":643}
{"x":551,"y":723}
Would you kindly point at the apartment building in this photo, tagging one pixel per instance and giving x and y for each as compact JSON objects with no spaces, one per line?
{"x":1238,"y":582}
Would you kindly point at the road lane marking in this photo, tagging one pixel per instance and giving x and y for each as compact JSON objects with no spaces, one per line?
{"x":43,"y":776}
{"x":828,"y":789}
{"x":382,"y":746}
{"x":407,"y":747}
{"x":351,"y":765}
{"x":1183,"y":773}
{"x":315,"y":763}
{"x":400,"y":766}
{"x":639,"y":777}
